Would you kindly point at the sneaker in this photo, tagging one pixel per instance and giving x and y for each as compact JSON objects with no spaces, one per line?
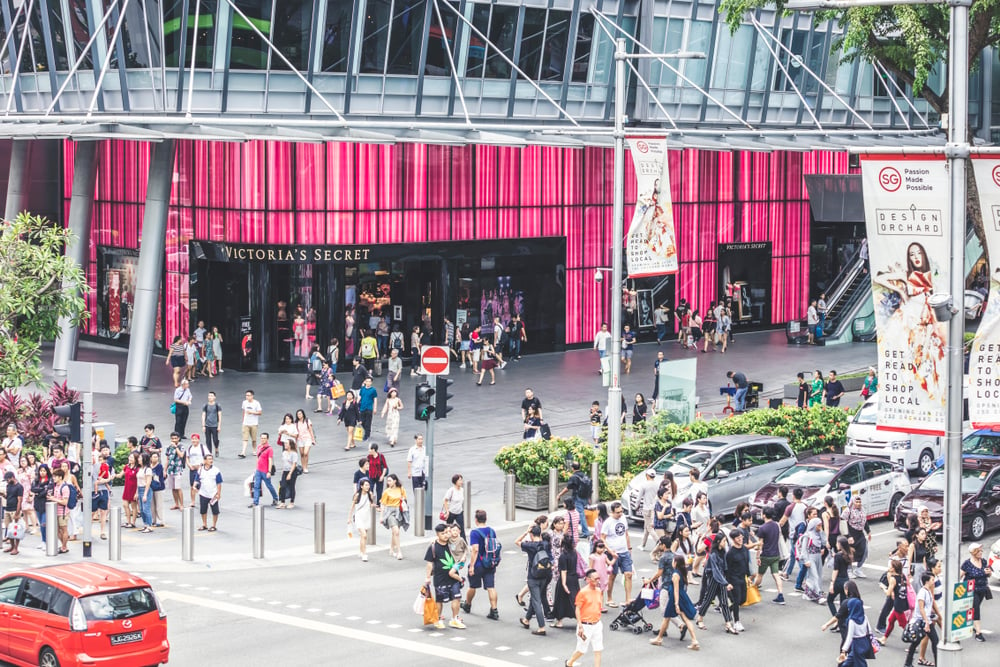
{"x":739,"y":627}
{"x":462,"y":366}
{"x":457,"y":624}
{"x":859,"y":573}
{"x":439,"y":624}
{"x":494,"y":615}
{"x":466,"y":607}
{"x":779,"y":600}
{"x":980,"y":637}
{"x":852,"y":573}
{"x":364,"y":558}
{"x":642,"y":547}
{"x":800,"y":590}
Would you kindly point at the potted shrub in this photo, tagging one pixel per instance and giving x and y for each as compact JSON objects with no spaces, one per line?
{"x":530,"y":461}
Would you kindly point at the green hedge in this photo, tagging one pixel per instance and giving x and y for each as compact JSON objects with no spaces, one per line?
{"x":808,"y":430}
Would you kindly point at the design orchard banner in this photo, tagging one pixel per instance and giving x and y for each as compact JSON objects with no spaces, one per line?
{"x":651,"y":247}
{"x":908,"y":247}
{"x":984,"y":360}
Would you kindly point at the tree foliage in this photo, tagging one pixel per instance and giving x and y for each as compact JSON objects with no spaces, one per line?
{"x":35,"y":280}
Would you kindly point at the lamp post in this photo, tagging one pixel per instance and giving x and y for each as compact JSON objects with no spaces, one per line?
{"x":957,"y":152}
{"x":617,"y":232}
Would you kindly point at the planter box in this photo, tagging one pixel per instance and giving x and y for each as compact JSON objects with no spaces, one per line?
{"x":533,"y":497}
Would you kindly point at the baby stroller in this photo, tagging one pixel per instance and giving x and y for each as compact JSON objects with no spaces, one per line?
{"x":631,"y":618}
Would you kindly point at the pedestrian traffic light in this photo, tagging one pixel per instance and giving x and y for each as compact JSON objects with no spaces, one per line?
{"x":442,"y":408}
{"x":71,"y":430}
{"x":423,"y":405}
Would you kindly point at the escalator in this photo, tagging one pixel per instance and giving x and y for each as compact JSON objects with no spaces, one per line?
{"x":850,"y":293}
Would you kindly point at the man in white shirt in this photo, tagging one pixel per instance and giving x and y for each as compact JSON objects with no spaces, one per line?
{"x":697,"y":486}
{"x":601,"y":340}
{"x":196,"y":453}
{"x":614,"y":531}
{"x":812,"y":321}
{"x":416,"y":463}
{"x":649,"y":490}
{"x":13,"y":443}
{"x":251,"y":418}
{"x":209,"y":484}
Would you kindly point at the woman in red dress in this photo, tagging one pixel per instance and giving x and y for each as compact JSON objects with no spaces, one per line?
{"x":129,"y":491}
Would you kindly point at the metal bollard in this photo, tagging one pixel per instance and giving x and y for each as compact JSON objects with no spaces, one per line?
{"x":319,"y":528}
{"x":595,"y":494}
{"x":371,"y":526}
{"x":187,"y":534}
{"x":258,"y":532}
{"x":468,"y":505}
{"x":417,"y":512}
{"x":114,"y":534}
{"x":553,"y":488}
{"x":509,"y":482}
{"x":52,"y":529}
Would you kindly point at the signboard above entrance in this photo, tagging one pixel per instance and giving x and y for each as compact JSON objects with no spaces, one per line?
{"x":293,"y":254}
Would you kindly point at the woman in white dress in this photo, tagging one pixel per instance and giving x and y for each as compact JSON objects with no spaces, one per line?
{"x":390,"y":410}
{"x":360,"y":515}
{"x":306,"y":437}
{"x":287,"y":430}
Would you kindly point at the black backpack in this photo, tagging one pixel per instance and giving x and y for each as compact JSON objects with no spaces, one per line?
{"x":541,"y":564}
{"x":586,"y":486}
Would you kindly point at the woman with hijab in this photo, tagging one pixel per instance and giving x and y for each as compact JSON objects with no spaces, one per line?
{"x":812,"y":560}
{"x":856,"y":644}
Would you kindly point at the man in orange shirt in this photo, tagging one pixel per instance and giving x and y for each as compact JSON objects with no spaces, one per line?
{"x":589,"y":629}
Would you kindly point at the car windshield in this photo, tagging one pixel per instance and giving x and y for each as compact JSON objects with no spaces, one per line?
{"x":806,"y":475}
{"x":117,"y":605}
{"x":982,"y":444}
{"x":972,"y":480}
{"x":682,"y":458}
{"x":868,"y":413}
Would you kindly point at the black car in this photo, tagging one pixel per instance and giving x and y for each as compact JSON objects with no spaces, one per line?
{"x":980,"y":497}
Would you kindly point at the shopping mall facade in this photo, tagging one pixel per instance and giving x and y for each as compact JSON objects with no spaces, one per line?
{"x":284,"y":169}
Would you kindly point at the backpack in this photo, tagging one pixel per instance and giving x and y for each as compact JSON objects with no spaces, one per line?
{"x":545,"y":431}
{"x":315,"y":365}
{"x":366,"y":348}
{"x":73,"y":496}
{"x":541,"y":564}
{"x":585,"y":488}
{"x":491,"y":550}
{"x":396,"y":340}
{"x":581,"y":566}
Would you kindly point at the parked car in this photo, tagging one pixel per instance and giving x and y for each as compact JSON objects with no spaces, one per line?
{"x":913,"y":451}
{"x":881,"y":484}
{"x":731,"y":465}
{"x":980,"y":497}
{"x":981,"y":442}
{"x":80,"y":614}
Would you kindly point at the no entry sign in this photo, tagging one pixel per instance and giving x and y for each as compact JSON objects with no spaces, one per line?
{"x":434,"y":359}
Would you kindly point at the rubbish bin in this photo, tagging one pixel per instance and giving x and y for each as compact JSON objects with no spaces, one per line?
{"x":753,"y":394}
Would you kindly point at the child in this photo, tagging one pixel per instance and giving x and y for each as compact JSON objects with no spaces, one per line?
{"x":595,"y":421}
{"x":602,"y":560}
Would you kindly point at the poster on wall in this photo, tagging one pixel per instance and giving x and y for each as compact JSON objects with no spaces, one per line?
{"x":984,"y":356}
{"x":651,"y":243}
{"x":745,"y":283}
{"x":116,"y":272}
{"x":908,"y":247}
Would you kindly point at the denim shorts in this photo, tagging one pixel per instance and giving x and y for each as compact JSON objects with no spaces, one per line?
{"x":623,"y":563}
{"x":448,"y":593}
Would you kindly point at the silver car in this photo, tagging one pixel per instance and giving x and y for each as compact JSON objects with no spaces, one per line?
{"x":733,"y":466}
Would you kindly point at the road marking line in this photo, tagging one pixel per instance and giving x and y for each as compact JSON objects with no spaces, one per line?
{"x":456,"y":639}
{"x":274,"y":603}
{"x":202,"y":588}
{"x":480,"y":643}
{"x":503,"y":648}
{"x":345,"y":632}
{"x":184,"y":585}
{"x":415,"y":630}
{"x":884,"y":532}
{"x":333,"y":613}
{"x":353,"y":618}
{"x":254,"y":599}
{"x":394,"y":626}
{"x":314,"y":610}
{"x":237,"y":595}
{"x":219,"y":592}
{"x":549,"y":658}
{"x":374,"y":621}
{"x":293,"y":606}
{"x":166,"y":582}
{"x":525,"y":653}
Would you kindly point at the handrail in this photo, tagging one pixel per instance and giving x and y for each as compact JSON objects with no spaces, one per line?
{"x":844,"y":279}
{"x":846,"y":310}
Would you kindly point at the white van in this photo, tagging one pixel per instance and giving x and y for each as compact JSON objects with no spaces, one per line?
{"x":913,"y":451}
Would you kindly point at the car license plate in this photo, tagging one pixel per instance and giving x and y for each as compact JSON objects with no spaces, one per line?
{"x":126,"y":638}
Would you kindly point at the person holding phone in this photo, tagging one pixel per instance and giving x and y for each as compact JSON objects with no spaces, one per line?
{"x":208,"y":481}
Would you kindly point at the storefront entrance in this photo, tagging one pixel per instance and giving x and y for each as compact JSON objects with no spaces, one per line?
{"x":273,"y":304}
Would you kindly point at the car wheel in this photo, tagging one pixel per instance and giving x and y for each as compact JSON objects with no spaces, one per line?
{"x":893,"y":505}
{"x":47,"y":658}
{"x":925,"y":464}
{"x":978,"y":527}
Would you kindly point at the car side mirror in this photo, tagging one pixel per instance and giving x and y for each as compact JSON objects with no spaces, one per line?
{"x":722,"y":474}
{"x":843,"y":487}
{"x":995,"y":491}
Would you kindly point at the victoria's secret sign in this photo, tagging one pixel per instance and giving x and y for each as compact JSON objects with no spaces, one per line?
{"x":292,"y":254}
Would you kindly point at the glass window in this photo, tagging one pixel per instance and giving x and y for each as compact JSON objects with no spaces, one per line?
{"x":438,"y":41}
{"x":291,"y":32}
{"x":118,"y":605}
{"x":698,"y":40}
{"x":81,"y":30}
{"x":140,"y":34}
{"x":776,"y":452}
{"x":982,"y":444}
{"x":503,"y":33}
{"x":795,"y":40}
{"x":58,"y":35}
{"x":668,"y":35}
{"x":407,"y":37}
{"x":806,"y":475}
{"x":875,"y":469}
{"x":203,"y":29}
{"x":850,"y":475}
{"x":728,"y":462}
{"x":532,"y":39}
{"x":60,"y":603}
{"x":732,"y":61}
{"x":337,"y":35}
{"x":553,"y":64}
{"x":247,"y":50}
{"x":376,"y":35}
{"x":9,"y":589}
{"x":584,"y":42}
{"x":477,"y":47}
{"x":36,"y":595}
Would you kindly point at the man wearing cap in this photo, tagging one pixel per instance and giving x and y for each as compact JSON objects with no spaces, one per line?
{"x":443,"y":574}
{"x":589,"y":629}
{"x":648,"y":489}
{"x":196,"y":453}
{"x":12,"y":495}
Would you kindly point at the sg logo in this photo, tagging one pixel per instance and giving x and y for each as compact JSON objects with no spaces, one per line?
{"x":889,"y":179}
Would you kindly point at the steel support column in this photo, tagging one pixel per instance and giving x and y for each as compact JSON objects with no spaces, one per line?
{"x":17,"y":181}
{"x":81,"y":205}
{"x":150,"y":273}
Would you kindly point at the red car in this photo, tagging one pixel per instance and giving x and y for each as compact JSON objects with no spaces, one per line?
{"x":80,"y":614}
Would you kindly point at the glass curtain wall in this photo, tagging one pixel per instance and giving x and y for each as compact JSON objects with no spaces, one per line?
{"x":185,"y":24}
{"x":393,"y":35}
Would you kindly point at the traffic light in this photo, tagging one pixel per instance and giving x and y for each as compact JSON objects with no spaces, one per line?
{"x":423,"y":405}
{"x":442,"y":408}
{"x":71,"y":430}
